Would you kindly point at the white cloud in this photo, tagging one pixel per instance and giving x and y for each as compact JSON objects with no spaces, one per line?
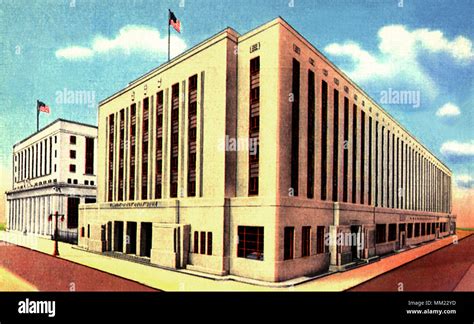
{"x":458,"y":149}
{"x":398,"y":55}
{"x":464,"y":181}
{"x":130,"y":39}
{"x":448,"y":110}
{"x":74,"y":53}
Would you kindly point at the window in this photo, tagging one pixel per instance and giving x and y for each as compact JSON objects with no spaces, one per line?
{"x":55,"y":168}
{"x":69,"y":181}
{"x":72,"y":154}
{"x":306,"y":241}
{"x":380,"y":233}
{"x":428,"y":229}
{"x":311,"y":120}
{"x":417,"y":229}
{"x":254,"y":124}
{"x":74,"y":181}
{"x":196,"y":242}
{"x":320,"y":240}
{"x":255,"y":94}
{"x":423,"y":229}
{"x":324,"y":138}
{"x":72,"y":212}
{"x":255,"y":65}
{"x":250,"y":244}
{"x":382,"y":196}
{"x":203,"y":243}
{"x":55,"y":139}
{"x":72,"y":140}
{"x":192,"y":124}
{"x":86,"y":182}
{"x":72,"y":168}
{"x":392,"y":232}
{"x":345,"y":150}
{"x":362,"y":157}
{"x":295,"y":127}
{"x":354,"y":154}
{"x":410,"y":230}
{"x":110,"y":167}
{"x":288,"y":243}
{"x":92,"y":183}
{"x":209,"y":243}
{"x":253,"y":185}
{"x":174,"y":140}
{"x":370,"y":163}
{"x":88,"y":231}
{"x":335,"y":154}
{"x":82,"y":231}
{"x":159,"y":145}
{"x":90,"y":155}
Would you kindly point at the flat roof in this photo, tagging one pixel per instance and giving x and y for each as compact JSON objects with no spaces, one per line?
{"x":51,"y":124}
{"x":172,"y":61}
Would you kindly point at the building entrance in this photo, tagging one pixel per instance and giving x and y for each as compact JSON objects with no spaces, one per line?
{"x":131,"y":238}
{"x":146,"y":239}
{"x":356,"y":241}
{"x":118,"y":236}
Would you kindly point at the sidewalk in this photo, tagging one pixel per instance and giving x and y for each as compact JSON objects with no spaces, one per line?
{"x":169,"y":280}
{"x":11,"y":282}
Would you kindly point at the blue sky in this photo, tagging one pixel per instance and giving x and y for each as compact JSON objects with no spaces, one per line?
{"x":100,"y":46}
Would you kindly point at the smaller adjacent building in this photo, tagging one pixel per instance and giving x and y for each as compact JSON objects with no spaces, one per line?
{"x":54,"y":169}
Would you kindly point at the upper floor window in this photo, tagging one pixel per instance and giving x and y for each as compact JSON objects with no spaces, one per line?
{"x":72,"y":139}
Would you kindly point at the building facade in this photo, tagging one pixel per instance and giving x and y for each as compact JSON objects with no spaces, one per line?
{"x":54,"y":170}
{"x":246,"y":154}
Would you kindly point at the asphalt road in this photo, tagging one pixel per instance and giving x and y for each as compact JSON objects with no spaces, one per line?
{"x":441,"y":270}
{"x":48,"y":273}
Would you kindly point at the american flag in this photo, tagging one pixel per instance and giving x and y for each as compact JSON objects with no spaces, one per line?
{"x":173,"y":21}
{"x":42,"y":107}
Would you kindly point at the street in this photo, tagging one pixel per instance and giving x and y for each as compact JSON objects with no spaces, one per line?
{"x":447,"y":269}
{"x":47,"y":273}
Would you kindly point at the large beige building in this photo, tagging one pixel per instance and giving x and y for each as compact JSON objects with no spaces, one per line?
{"x":242,"y":155}
{"x":54,"y":169}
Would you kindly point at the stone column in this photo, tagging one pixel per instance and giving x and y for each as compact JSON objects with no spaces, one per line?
{"x":166,"y":144}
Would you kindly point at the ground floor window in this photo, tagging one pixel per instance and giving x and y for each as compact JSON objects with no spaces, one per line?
{"x":250,"y":244}
{"x":410,"y":230}
{"x":196,"y":242}
{"x":289,"y":239}
{"x":209,"y":243}
{"x":380,"y":233}
{"x":320,"y":239}
{"x":423,"y":229}
{"x":392,"y":232}
{"x":146,"y":239}
{"x":305,"y":241}
{"x":72,"y":212}
{"x":417,"y":229}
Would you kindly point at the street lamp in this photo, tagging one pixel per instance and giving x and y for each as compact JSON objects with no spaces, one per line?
{"x":56,"y":231}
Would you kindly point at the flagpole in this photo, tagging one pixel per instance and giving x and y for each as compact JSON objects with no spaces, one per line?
{"x":37,"y":115}
{"x":169,"y":17}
